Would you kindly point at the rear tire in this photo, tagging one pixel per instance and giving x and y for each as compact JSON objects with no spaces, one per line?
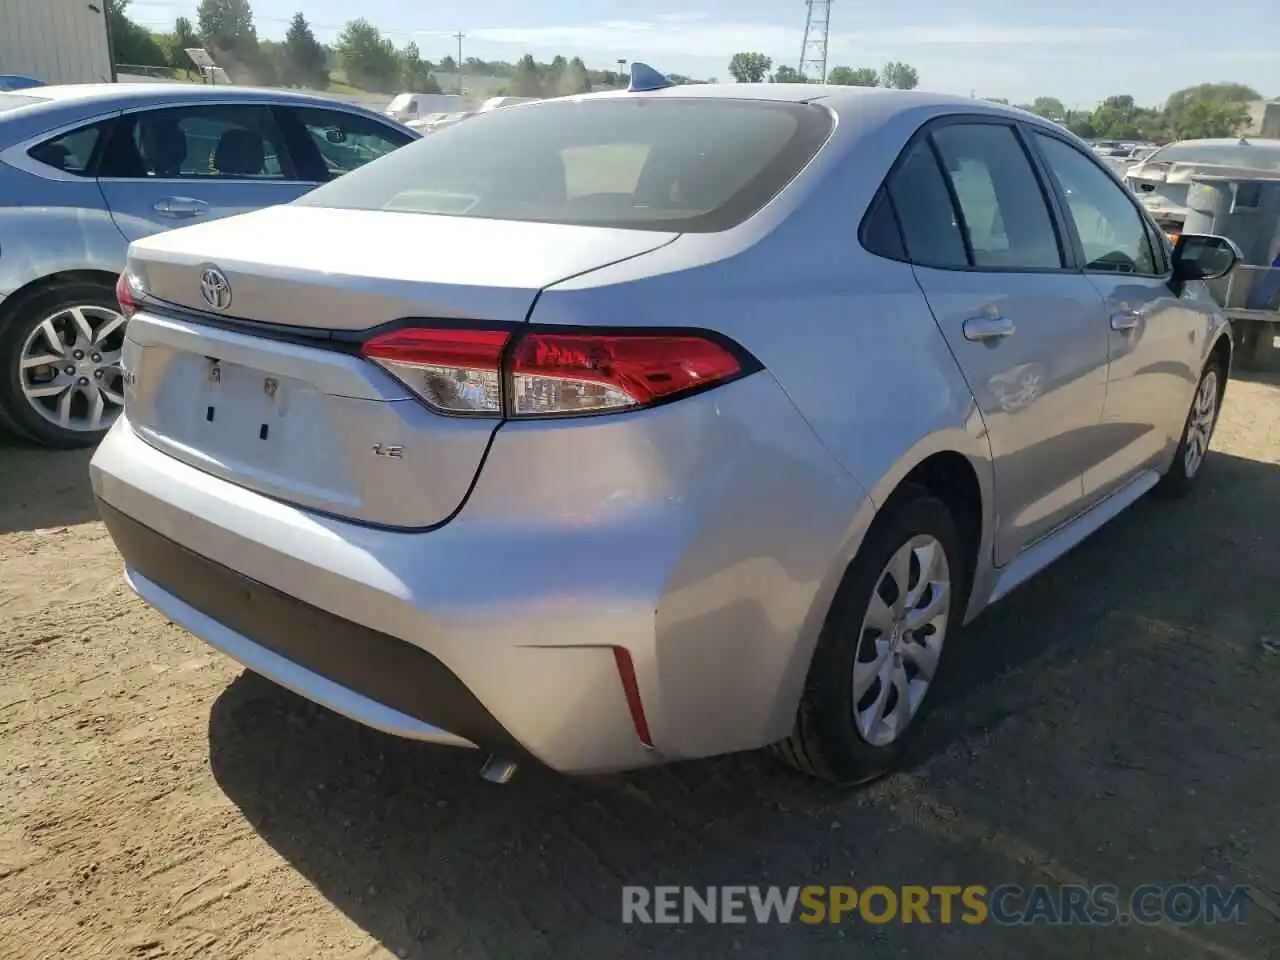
{"x":87,"y":324}
{"x":878,"y":645}
{"x":1197,"y":432}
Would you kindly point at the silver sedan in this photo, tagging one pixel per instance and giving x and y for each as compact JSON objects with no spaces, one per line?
{"x":657,"y":424}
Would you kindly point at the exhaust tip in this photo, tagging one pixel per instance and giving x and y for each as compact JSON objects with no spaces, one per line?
{"x":497,"y":770}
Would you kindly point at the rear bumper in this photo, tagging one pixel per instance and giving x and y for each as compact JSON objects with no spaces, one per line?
{"x":371,"y":677}
{"x":705,"y":538}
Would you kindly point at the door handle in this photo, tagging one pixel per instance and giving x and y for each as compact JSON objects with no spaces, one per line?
{"x":978,"y":329}
{"x":179,"y":207}
{"x":1123,"y":320}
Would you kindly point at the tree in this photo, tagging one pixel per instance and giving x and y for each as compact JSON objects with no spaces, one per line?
{"x":900,"y":76}
{"x":854,"y":77}
{"x":576,"y":78}
{"x":303,"y":60}
{"x":133,"y":44}
{"x":1208,"y":110}
{"x":786,"y":74}
{"x":369,"y":58}
{"x":750,"y":67}
{"x":449,"y":65}
{"x":527,"y":82}
{"x":183,"y":38}
{"x":1051,"y":108}
{"x":415,"y":73}
{"x":553,"y":75}
{"x":227,"y":25}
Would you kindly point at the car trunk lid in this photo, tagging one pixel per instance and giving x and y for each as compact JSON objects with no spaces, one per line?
{"x":269,"y":393}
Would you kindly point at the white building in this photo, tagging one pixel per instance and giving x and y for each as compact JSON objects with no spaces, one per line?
{"x":57,"y":41}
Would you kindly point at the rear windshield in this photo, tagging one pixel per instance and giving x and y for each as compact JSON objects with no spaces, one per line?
{"x":1253,"y":156}
{"x":688,"y":165}
{"x":12,"y":101}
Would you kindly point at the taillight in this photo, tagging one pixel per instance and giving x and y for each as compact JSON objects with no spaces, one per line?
{"x":129,"y":293}
{"x":545,"y":372}
{"x":455,"y":371}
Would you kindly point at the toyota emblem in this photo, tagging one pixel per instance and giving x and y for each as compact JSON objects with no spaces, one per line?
{"x":215,"y":288}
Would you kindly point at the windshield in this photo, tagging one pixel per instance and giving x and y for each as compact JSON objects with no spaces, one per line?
{"x":1253,"y":156}
{"x":692,"y":165}
{"x":12,"y":101}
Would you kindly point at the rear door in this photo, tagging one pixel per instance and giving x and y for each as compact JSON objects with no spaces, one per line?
{"x":1156,"y":338}
{"x":326,"y":143}
{"x":176,"y":166}
{"x":1026,"y":328}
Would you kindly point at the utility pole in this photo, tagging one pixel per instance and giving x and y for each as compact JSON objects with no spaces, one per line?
{"x":459,"y":37}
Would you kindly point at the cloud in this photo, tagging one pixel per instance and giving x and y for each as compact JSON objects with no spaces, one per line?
{"x":696,"y":35}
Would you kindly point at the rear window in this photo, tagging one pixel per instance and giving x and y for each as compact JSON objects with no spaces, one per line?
{"x":1254,"y":156}
{"x":12,"y":101}
{"x":695,"y":166}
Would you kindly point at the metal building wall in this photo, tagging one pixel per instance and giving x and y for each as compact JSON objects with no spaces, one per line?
{"x":57,"y":41}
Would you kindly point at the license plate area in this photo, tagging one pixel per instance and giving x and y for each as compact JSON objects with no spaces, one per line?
{"x":245,"y":413}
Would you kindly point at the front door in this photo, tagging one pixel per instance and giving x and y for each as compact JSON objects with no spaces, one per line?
{"x":1028,"y":332}
{"x":1156,"y":338}
{"x":177,"y":166}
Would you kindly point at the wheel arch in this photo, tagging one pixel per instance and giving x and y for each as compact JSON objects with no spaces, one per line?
{"x":13,"y":302}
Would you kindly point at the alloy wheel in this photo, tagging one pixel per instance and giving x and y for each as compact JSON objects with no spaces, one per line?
{"x":70,"y":369}
{"x":1204,"y":415}
{"x":901,"y":639}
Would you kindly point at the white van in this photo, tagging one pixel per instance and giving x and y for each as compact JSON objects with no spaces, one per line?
{"x":412,"y":106}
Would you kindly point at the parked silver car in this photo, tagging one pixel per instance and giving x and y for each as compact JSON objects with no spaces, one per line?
{"x":1162,"y":179}
{"x":653,"y":425}
{"x":86,"y":169}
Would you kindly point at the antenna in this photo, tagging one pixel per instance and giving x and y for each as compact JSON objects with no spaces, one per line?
{"x":644,"y":78}
{"x":813,"y":53}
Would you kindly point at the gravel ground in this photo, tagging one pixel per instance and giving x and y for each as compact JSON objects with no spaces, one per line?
{"x":1115,"y":721}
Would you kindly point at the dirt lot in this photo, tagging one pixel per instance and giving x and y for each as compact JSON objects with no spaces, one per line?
{"x":1116,"y":721}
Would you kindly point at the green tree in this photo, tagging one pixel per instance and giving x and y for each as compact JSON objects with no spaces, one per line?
{"x":133,"y":44}
{"x":1208,"y":110}
{"x":786,"y":74}
{"x":553,"y":75}
{"x":854,"y":77}
{"x":227,"y":25}
{"x":900,"y":76}
{"x":303,"y":60}
{"x":527,"y":82}
{"x":369,"y":58}
{"x":576,"y":78}
{"x":449,"y":65}
{"x":750,"y":67}
{"x":415,"y":73}
{"x":1051,"y":108}
{"x":182,"y":39}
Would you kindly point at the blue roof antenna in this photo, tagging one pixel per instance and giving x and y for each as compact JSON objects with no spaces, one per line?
{"x":644,"y":78}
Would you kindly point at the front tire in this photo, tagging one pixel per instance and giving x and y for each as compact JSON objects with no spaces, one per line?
{"x":61,"y":384}
{"x":882,"y":645}
{"x":1197,"y":431}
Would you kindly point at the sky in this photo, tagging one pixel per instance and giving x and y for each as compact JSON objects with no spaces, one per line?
{"x":1078,"y":50}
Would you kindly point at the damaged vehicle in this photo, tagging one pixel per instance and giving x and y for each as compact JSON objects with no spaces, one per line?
{"x":1162,"y":179}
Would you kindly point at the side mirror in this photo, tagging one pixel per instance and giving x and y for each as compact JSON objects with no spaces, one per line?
{"x":1198,"y":256}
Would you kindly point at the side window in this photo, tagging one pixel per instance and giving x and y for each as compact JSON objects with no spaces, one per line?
{"x":218,"y":142}
{"x":1004,"y":209}
{"x":72,"y":152}
{"x":346,"y":141}
{"x":1112,"y":231}
{"x":880,"y":233}
{"x":930,"y":228}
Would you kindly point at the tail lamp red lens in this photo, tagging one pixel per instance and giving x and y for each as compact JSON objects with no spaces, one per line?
{"x":546,"y":372}
{"x":128,"y":294}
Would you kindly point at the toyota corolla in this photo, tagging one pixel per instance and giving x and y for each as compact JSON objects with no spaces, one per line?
{"x":656,"y":424}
